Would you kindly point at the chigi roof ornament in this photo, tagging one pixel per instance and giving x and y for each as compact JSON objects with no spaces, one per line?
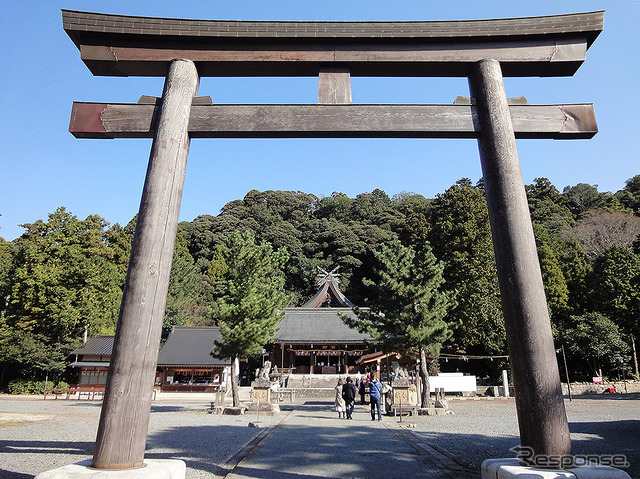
{"x":323,"y":276}
{"x":328,"y":294}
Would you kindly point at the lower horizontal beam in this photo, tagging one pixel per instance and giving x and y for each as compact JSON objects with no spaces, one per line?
{"x":101,"y":120}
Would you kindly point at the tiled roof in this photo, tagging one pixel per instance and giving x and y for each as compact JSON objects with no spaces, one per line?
{"x":97,"y":346}
{"x":190,"y":346}
{"x":317,"y":325}
{"x":76,"y":22}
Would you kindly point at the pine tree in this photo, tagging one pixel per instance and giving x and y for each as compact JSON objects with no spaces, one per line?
{"x":252,"y":293}
{"x":408,"y":306}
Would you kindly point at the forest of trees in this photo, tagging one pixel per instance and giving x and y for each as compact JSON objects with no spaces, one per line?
{"x":65,"y":275}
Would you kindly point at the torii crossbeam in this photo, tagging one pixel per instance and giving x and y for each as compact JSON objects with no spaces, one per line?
{"x":119,"y":120}
{"x":482,"y":50}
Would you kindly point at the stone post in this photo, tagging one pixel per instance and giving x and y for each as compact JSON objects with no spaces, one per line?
{"x":505,"y":382}
{"x":541,"y":414}
{"x":124,"y":419}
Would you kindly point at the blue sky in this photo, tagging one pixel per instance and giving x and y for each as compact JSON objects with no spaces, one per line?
{"x":44,"y":166}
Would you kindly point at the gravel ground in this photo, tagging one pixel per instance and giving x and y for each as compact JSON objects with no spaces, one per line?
{"x":484,"y":429}
{"x":37,"y":435}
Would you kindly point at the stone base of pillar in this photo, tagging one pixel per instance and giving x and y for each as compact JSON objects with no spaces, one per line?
{"x":508,"y":468}
{"x":151,"y":469}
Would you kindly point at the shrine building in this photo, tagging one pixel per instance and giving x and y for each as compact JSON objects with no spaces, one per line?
{"x":313,"y":339}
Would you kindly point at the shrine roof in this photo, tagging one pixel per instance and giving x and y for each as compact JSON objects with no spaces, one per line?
{"x":96,"y":346}
{"x":319,"y":326}
{"x":190,"y":346}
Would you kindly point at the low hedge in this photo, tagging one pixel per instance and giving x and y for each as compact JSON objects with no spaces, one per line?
{"x":29,"y":386}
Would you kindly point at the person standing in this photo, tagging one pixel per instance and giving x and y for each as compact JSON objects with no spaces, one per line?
{"x":375,"y":392}
{"x":362,"y":389}
{"x":339,"y":402}
{"x":349,"y":395}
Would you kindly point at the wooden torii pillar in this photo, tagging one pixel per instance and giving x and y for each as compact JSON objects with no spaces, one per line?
{"x":482,"y":50}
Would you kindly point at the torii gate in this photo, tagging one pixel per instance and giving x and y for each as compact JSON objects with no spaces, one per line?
{"x":183,"y":50}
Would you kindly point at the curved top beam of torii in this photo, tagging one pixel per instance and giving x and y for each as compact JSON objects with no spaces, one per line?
{"x":123,"y":45}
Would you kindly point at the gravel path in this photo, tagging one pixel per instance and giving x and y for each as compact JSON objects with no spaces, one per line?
{"x":37,"y":435}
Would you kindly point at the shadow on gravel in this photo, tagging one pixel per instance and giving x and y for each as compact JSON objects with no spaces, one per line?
{"x":45,"y":447}
{"x":259,"y":473}
{"x":470,"y":450}
{"x":75,"y":403}
{"x":323,"y":406}
{"x":14,"y":475}
{"x":202,"y":447}
{"x":155,"y":408}
{"x":588,"y":438}
{"x":608,"y":438}
{"x":609,"y":433}
{"x":607,"y":396}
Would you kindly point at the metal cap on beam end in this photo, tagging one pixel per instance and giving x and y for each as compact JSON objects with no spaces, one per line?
{"x":579,"y":118}
{"x":86,"y":121}
{"x":570,"y":51}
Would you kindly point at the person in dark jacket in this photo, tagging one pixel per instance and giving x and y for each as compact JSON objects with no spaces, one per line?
{"x":375,"y":393}
{"x":349,"y":395}
{"x":362,"y":389}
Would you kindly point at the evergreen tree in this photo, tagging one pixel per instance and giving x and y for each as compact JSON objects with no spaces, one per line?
{"x":6,"y":264}
{"x":575,"y":268}
{"x":615,"y":288}
{"x":64,"y":280}
{"x":629,"y":196}
{"x":408,"y":306}
{"x":252,"y":293}
{"x":461,"y":238}
{"x":555,"y":286}
{"x":190,"y":292}
{"x":596,"y":339}
{"x":582,"y":198}
{"x":548,"y":207}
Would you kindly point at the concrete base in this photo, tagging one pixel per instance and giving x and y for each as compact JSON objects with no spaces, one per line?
{"x":508,"y":468}
{"x":151,"y":469}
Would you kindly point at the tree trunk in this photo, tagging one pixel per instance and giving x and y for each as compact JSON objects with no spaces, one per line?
{"x":424,"y":375}
{"x":234,"y":382}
